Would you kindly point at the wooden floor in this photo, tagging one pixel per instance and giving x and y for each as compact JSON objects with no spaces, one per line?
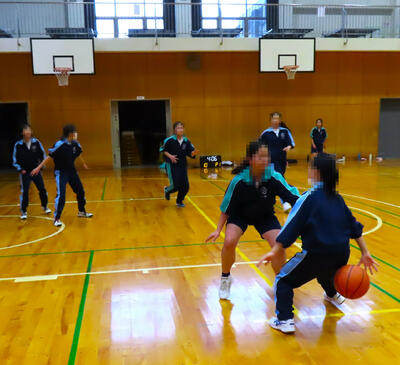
{"x":137,"y":285}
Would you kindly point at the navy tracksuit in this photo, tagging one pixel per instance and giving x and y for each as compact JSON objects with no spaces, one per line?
{"x":319,"y":137}
{"x":64,"y":154}
{"x":248,"y":204}
{"x":325,"y":225}
{"x":26,"y":159}
{"x":276,"y":143}
{"x":177,"y":172}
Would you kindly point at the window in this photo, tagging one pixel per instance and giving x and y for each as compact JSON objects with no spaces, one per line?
{"x":246,"y":17}
{"x":116,"y":19}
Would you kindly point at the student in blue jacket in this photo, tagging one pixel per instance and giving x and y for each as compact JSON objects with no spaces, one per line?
{"x":279,"y":141}
{"x":27,"y":154}
{"x":64,"y":153}
{"x":175,"y":149}
{"x":325,"y":225}
{"x":318,"y":137}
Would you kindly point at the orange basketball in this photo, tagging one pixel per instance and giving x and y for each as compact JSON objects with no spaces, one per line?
{"x":351,"y":281}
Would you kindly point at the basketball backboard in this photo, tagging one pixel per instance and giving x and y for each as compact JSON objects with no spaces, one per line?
{"x":76,"y":54}
{"x":277,"y":53}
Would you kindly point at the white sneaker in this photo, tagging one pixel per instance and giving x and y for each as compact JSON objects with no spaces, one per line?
{"x":287,"y":326}
{"x":24,"y":215}
{"x":46,"y":210}
{"x":85,"y":215}
{"x":57,"y":223}
{"x":286,"y":207}
{"x":225,"y":287}
{"x":336,"y":299}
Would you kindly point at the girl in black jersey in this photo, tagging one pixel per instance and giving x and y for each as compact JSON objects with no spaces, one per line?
{"x":249,"y":200}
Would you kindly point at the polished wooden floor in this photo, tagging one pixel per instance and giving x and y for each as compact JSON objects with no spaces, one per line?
{"x":137,"y":285}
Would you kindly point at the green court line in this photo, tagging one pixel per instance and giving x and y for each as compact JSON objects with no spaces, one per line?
{"x":377,"y":258}
{"x":385,"y":292}
{"x":365,"y":215}
{"x":121,"y":249}
{"x":213,"y":183}
{"x":104,"y":188}
{"x":375,"y":207}
{"x":78,"y":325}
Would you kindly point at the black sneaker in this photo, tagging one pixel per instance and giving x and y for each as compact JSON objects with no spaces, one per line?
{"x":166,"y":194}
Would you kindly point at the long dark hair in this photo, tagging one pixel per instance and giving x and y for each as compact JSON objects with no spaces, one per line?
{"x":251,"y":149}
{"x":326,"y":165}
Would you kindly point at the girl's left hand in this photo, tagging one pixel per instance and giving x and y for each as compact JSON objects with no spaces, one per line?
{"x":85,"y":166}
{"x":265,"y":259}
{"x":288,"y":148}
{"x":195,"y":153}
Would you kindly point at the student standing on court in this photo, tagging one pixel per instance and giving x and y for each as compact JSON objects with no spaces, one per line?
{"x":250,"y":200}
{"x":27,"y":154}
{"x":176,"y":148}
{"x":64,"y":153}
{"x":279,"y":141}
{"x":325,"y":224}
{"x":318,"y":138}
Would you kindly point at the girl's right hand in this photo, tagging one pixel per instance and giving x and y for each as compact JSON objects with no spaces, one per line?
{"x":213,"y":236}
{"x":174,"y":159}
{"x":266,"y":258}
{"x":369,"y":263}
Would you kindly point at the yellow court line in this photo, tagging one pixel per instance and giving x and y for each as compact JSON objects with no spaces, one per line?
{"x":357,"y":313}
{"x":242,"y":255}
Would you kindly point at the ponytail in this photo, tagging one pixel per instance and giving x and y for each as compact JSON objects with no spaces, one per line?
{"x":326,"y":166}
{"x":251,"y":149}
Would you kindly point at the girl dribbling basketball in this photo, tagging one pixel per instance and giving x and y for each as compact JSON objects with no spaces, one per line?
{"x":325,"y":225}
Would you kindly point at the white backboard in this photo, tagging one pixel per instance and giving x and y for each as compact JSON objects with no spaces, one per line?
{"x":48,"y":53}
{"x":276,"y":53}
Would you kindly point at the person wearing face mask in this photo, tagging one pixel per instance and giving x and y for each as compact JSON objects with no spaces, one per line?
{"x":27,"y":153}
{"x":64,"y":153}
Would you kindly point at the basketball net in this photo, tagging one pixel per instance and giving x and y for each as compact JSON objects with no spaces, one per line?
{"x":62,"y":74}
{"x":290,"y":71}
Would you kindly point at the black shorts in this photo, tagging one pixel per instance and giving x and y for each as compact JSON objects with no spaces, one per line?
{"x":263,"y":226}
{"x":319,"y":149}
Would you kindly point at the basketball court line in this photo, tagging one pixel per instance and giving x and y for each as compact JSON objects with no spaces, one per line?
{"x":257,"y":270}
{"x":81,"y":310}
{"x":112,"y":200}
{"x":104,"y":188}
{"x":147,"y":270}
{"x":59,"y":230}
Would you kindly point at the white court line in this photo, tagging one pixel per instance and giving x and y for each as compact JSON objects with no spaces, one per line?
{"x":33,"y":241}
{"x":359,"y":197}
{"x":145,"y":270}
{"x":115,"y":200}
{"x":35,"y":278}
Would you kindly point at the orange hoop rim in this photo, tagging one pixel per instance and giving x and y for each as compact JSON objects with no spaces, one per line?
{"x":291,"y":67}
{"x":62,"y":70}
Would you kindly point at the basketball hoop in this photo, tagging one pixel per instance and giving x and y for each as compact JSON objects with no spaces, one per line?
{"x":62,"y":74}
{"x":290,"y":71}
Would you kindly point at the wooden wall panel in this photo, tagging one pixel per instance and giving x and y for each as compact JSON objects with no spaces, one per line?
{"x":224,"y":103}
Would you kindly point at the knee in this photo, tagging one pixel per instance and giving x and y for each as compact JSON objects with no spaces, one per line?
{"x":230,"y":244}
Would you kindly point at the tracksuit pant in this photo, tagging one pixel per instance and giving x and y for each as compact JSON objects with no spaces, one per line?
{"x":302,"y":268}
{"x":71,"y":177}
{"x":26,"y":180}
{"x":178,"y":180}
{"x":280,"y":166}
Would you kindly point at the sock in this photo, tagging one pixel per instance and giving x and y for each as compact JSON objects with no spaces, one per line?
{"x":225,"y":275}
